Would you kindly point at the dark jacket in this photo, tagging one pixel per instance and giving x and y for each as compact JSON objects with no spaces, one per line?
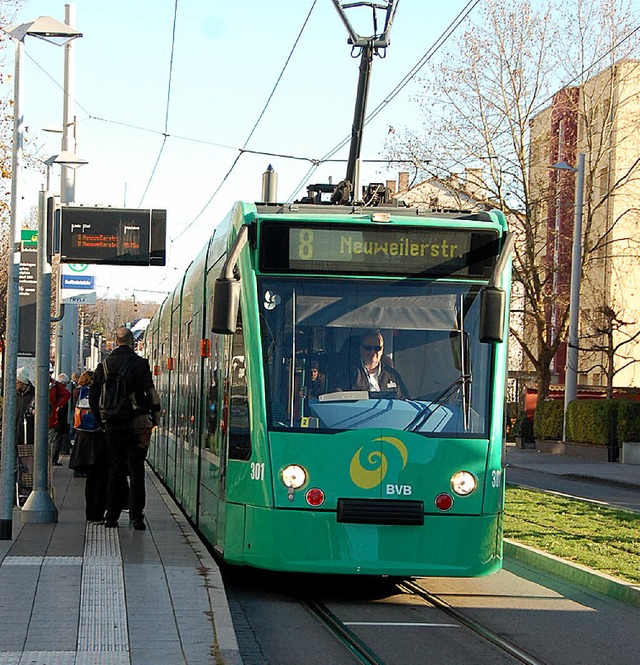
{"x":139,"y":383}
{"x":25,"y":406}
{"x":389,"y":381}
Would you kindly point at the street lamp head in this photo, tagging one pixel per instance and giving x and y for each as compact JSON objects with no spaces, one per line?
{"x":563,"y":166}
{"x":70,"y":159}
{"x":47,"y":28}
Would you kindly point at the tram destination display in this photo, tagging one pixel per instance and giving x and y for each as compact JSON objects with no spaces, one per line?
{"x":398,"y":250}
{"x":113,"y":236}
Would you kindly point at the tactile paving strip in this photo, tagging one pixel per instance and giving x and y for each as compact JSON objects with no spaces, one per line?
{"x":103,"y":611}
{"x":103,"y":638}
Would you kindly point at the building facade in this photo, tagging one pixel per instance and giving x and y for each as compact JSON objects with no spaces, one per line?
{"x":600,"y":119}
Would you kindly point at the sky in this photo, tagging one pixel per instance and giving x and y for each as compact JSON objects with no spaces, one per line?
{"x":160,"y":120}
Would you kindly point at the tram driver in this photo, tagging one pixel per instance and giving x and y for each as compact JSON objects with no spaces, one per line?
{"x":373,"y":372}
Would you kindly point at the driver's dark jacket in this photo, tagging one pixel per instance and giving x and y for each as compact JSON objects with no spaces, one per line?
{"x":389,"y":381}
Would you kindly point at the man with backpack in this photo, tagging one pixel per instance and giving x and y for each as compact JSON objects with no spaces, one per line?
{"x":125,"y":403}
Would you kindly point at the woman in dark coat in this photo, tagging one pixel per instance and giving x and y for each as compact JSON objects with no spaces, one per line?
{"x":89,"y":453}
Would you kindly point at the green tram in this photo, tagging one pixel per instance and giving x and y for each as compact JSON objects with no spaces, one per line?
{"x":278,"y":457}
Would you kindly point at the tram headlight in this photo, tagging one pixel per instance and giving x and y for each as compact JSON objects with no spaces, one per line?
{"x":294,"y":476}
{"x":463,"y":483}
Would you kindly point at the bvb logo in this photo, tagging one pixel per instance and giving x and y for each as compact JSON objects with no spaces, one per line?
{"x":368,"y":478}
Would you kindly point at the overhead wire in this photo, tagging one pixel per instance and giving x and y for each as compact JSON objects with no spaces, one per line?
{"x":166,"y":117}
{"x":242,"y":150}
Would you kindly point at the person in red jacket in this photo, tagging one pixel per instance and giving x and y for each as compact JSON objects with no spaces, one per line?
{"x":58,"y":398}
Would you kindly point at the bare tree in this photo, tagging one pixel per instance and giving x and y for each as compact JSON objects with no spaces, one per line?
{"x":109,"y":314}
{"x":8,"y":11}
{"x":478,"y":104}
{"x":607,"y":341}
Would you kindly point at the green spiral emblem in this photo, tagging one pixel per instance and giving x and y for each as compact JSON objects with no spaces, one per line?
{"x":375,"y":470}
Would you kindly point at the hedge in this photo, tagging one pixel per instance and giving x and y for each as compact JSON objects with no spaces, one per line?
{"x":547,"y":423}
{"x":588,"y":420}
{"x":628,"y":421}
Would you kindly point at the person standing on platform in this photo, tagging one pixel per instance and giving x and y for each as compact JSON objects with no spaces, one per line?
{"x":89,"y":453}
{"x":65,"y":417}
{"x":74,"y":389}
{"x":58,"y":398}
{"x":25,"y":408}
{"x":128,"y":423}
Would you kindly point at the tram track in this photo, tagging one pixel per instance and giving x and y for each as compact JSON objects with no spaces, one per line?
{"x":338,"y":629}
{"x":364,"y":654}
{"x":485,"y":633}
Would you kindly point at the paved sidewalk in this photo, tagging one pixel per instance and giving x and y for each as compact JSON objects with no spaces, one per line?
{"x":576,"y":468}
{"x":73,"y":593}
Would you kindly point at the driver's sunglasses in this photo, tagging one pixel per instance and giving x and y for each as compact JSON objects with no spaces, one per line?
{"x":371,"y":347}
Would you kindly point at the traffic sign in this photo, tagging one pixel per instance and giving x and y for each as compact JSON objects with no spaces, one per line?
{"x":78,"y":282}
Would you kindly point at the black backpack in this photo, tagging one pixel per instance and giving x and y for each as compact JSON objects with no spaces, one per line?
{"x":116,"y":404}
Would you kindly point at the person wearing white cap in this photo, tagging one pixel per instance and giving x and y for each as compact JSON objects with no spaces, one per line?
{"x":25,"y":406}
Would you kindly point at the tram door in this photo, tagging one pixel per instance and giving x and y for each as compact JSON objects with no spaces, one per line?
{"x":235,"y":418}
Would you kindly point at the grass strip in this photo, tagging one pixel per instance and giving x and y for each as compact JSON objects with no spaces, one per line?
{"x":602,"y":538}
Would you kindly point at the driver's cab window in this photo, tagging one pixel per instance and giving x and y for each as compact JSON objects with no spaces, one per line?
{"x":341,"y":355}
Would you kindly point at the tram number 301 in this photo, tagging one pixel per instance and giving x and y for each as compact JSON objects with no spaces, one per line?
{"x":496,"y":478}
{"x":257,"y":470}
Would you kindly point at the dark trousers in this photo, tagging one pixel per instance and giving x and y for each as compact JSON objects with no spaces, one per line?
{"x":126,"y":456}
{"x":55,"y":445}
{"x":95,"y":491}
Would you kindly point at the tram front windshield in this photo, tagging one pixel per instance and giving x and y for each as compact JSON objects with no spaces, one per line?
{"x":356,"y":353}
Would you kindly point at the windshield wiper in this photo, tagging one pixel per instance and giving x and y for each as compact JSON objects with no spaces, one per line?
{"x":427,"y":411}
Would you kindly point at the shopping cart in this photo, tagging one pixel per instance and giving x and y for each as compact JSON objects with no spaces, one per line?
{"x":24,"y":475}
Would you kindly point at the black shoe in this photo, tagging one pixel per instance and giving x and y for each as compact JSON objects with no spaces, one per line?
{"x":139,"y":525}
{"x":56,"y":463}
{"x":111,"y":524}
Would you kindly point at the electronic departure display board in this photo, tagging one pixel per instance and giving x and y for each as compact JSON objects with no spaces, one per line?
{"x":113,"y":236}
{"x":425,"y":251}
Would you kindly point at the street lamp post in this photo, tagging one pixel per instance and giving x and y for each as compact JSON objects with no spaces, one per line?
{"x":49,"y":29}
{"x":571,"y":374}
{"x":39,"y":508}
{"x":66,"y":354}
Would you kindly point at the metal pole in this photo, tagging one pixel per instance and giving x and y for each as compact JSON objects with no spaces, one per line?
{"x":39,"y":507}
{"x":67,"y":173}
{"x":7,"y":484}
{"x":571,"y":377}
{"x":64,"y":341}
{"x":366,"y":60}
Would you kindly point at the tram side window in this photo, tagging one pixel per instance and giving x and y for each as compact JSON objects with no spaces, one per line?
{"x":213,"y":397}
{"x":239,"y":425}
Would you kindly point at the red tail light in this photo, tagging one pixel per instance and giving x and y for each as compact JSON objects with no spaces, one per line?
{"x":315,"y":497}
{"x":444,"y":501}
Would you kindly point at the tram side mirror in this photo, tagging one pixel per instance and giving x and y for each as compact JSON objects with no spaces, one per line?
{"x":226,"y":300}
{"x":493,"y":307}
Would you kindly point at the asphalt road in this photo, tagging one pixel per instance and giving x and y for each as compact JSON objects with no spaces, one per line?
{"x":595,"y":490}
